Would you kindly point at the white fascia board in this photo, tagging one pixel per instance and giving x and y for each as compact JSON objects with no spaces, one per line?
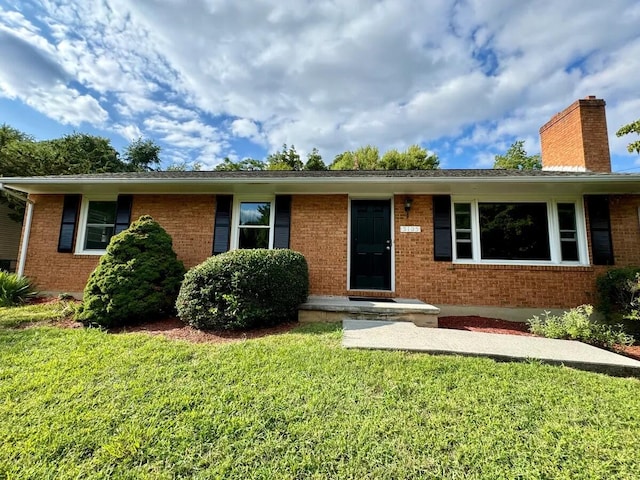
{"x":59,"y":185}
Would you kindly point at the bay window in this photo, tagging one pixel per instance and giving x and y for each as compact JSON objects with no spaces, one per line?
{"x":519,"y":232}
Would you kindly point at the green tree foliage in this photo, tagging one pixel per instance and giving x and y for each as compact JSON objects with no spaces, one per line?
{"x":184,"y":167}
{"x":138,"y":279}
{"x":633,"y":127}
{"x":413,"y":158}
{"x":73,"y":154}
{"x":368,"y":158}
{"x":142,"y":155}
{"x":314,"y":161}
{"x":516,"y":158}
{"x":363,"y":158}
{"x":247,"y":164}
{"x":244,"y":289}
{"x":287,"y":159}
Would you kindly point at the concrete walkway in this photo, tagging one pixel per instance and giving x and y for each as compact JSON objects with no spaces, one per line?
{"x":406,"y":336}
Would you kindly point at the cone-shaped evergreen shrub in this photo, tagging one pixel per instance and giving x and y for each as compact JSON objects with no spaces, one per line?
{"x":244,"y":289}
{"x":137,"y":279}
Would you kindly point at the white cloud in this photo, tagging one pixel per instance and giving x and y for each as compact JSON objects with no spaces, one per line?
{"x":334,"y":75}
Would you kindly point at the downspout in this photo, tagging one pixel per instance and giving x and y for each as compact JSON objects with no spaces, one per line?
{"x":27,"y":227}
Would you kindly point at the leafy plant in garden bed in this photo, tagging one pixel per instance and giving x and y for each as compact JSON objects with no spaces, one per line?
{"x":618,"y":291}
{"x":15,"y":290}
{"x":138,"y":278}
{"x":619,"y":298}
{"x":576,"y":324}
{"x":244,"y":289}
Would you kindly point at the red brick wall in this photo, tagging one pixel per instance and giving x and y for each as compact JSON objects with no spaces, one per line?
{"x":187,"y":218}
{"x":625,"y":228}
{"x":53,"y":271}
{"x":577,"y":137}
{"x":319,"y":230}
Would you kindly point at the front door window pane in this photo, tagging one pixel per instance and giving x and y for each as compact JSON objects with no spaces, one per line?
{"x":514,"y":231}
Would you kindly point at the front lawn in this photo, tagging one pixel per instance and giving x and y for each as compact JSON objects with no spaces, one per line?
{"x":82,"y":403}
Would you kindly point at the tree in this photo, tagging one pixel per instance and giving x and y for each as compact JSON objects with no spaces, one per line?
{"x":184,"y":167}
{"x":247,"y":164}
{"x":364,"y":158}
{"x":516,"y":158}
{"x":287,"y":159}
{"x":73,"y":154}
{"x":9,"y":134}
{"x":142,"y":155}
{"x":414,"y":158}
{"x":633,"y":127}
{"x":314,"y":161}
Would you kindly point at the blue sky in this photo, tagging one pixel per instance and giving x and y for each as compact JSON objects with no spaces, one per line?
{"x":207,"y":79}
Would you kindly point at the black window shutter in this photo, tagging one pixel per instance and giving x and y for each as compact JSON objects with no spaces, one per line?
{"x":68,"y":224}
{"x":123,"y":213}
{"x":222,"y":226}
{"x":442,"y":228}
{"x":282,"y":221}
{"x":600,"y":229}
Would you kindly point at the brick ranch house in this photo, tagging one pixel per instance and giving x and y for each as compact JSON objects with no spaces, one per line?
{"x":474,"y":238}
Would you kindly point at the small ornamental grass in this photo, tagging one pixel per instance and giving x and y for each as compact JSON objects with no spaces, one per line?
{"x":244,"y":289}
{"x":15,"y":290}
{"x":136,"y":280}
{"x":576,"y":324}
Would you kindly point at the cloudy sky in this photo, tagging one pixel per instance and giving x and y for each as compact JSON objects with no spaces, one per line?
{"x":213,"y":78}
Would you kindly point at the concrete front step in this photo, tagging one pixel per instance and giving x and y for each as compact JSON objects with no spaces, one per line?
{"x":335,"y":309}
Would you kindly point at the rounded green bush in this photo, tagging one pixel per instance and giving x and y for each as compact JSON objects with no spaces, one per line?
{"x":138,"y":278}
{"x":244,"y":289}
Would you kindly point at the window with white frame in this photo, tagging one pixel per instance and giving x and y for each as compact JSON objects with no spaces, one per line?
{"x":97,"y":225}
{"x":519,"y":232}
{"x":254,"y":224}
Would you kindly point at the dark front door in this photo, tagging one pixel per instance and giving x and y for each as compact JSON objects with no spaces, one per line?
{"x":370,"y":245}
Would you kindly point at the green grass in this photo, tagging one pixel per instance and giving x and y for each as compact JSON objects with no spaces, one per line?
{"x":83,"y":403}
{"x":11,"y":317}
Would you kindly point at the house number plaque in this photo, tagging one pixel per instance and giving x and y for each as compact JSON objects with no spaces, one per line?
{"x":410,"y":228}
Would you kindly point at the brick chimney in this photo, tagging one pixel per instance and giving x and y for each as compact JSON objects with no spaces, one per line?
{"x":576,"y":139}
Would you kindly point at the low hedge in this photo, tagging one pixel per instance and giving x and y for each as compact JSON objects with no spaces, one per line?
{"x":244,"y":289}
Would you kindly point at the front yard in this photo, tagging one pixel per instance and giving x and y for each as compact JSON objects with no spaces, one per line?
{"x":82,"y":403}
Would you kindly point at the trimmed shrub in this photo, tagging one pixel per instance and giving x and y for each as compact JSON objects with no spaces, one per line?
{"x":618,"y":291}
{"x":15,"y":290}
{"x":138,"y":278}
{"x":244,"y":289}
{"x":576,"y":324}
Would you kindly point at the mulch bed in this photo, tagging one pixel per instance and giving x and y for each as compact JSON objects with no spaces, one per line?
{"x":175,"y":329}
{"x":493,"y":325}
{"x":484,"y":324}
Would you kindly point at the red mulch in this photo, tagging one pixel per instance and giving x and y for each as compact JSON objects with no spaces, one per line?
{"x":175,"y":329}
{"x":483,"y":324}
{"x":493,"y":325}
